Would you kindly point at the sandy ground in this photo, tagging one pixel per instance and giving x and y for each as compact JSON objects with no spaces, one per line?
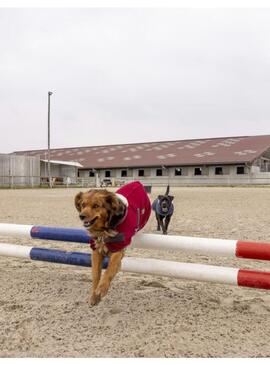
{"x":44,"y":310}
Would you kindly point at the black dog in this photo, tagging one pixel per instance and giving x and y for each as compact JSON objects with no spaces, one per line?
{"x":163,"y":208}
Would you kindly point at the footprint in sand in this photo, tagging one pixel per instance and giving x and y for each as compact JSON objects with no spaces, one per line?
{"x":148,"y":286}
{"x":256,"y":305}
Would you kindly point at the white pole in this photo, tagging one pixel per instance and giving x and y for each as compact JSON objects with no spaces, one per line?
{"x":9,"y":229}
{"x":206,"y":246}
{"x":7,"y":249}
{"x":180,"y":270}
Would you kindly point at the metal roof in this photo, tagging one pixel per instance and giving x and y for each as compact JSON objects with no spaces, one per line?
{"x":68,"y":163}
{"x":211,"y":151}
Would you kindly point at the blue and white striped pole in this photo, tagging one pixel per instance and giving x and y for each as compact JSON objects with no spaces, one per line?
{"x":208,"y":246}
{"x":49,"y":255}
{"x":180,"y":270}
{"x":50,"y":233}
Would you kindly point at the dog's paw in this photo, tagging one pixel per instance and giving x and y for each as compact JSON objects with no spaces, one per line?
{"x":94,"y":299}
{"x":102,"y":290}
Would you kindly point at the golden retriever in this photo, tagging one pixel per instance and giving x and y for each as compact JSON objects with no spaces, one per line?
{"x":105,"y":214}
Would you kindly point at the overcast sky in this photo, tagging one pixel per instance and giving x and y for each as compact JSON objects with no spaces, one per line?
{"x":132,"y":75}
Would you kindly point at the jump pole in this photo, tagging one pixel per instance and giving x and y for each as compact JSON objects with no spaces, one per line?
{"x":50,"y":233}
{"x":197,"y":272}
{"x":206,"y":246}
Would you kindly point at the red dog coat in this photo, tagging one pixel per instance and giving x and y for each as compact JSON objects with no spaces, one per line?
{"x":138,"y":213}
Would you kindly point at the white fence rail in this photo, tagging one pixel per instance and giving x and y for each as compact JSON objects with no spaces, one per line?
{"x":14,"y":181}
{"x":10,"y":181}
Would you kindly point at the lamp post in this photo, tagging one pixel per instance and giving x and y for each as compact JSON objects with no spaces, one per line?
{"x":49,"y":139}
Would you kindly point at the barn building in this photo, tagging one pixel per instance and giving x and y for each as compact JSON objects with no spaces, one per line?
{"x":211,"y":161}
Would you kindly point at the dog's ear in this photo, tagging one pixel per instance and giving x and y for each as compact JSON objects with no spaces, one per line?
{"x":109,"y":199}
{"x":160,"y":197}
{"x":171,"y":197}
{"x":92,"y":191}
{"x":117,"y":208}
{"x":78,"y":200}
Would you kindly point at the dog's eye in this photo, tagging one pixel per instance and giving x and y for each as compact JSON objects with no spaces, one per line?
{"x":95,"y":206}
{"x":83,"y":205}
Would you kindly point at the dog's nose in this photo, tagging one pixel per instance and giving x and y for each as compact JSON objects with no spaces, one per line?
{"x":82,"y":216}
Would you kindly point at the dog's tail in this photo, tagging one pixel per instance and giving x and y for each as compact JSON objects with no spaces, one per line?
{"x":168,"y":189}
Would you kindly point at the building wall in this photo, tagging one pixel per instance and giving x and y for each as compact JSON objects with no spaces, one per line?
{"x":208,"y":175}
{"x":58,"y":170}
{"x":55,"y":169}
{"x":83,"y":173}
{"x":186,"y":171}
{"x":17,"y":170}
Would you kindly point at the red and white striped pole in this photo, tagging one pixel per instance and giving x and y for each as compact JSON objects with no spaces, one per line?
{"x":198,"y":272}
{"x":207,"y":246}
{"x":179,"y":270}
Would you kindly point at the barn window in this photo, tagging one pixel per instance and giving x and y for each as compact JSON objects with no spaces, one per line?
{"x":158,"y":172}
{"x":123,"y":173}
{"x":197,"y":171}
{"x":107,"y":173}
{"x":218,"y":170}
{"x":240,"y":170}
{"x":178,"y":172}
{"x":91,"y":173}
{"x":141,"y":172}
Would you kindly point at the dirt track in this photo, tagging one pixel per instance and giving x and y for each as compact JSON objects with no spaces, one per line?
{"x":44,"y":310}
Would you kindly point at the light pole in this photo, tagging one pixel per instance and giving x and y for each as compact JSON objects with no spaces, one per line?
{"x":49,"y":139}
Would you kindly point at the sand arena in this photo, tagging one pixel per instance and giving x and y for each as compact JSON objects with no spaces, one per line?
{"x":44,"y":310}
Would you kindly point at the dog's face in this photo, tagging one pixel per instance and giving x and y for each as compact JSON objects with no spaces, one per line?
{"x":97,"y":210}
{"x":165,"y":202}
